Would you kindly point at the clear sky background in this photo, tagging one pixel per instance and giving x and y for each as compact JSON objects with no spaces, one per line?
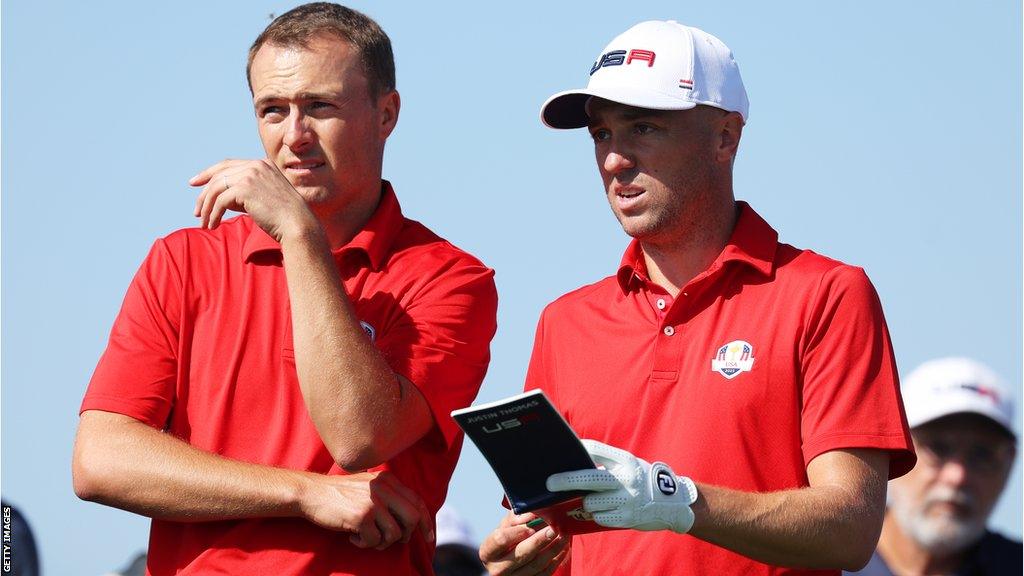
{"x":885,"y":134}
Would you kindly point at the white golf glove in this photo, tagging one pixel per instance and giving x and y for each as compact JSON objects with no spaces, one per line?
{"x":630,"y":492}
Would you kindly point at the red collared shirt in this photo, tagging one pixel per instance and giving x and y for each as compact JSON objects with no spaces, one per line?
{"x":769,"y":358}
{"x":203,"y":348}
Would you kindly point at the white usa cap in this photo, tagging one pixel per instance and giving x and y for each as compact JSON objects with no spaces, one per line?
{"x":656,"y":65}
{"x":452,"y":528}
{"x":947,"y":386}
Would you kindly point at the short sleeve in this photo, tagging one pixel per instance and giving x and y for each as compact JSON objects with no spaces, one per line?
{"x":850,"y":387}
{"x":536,"y":372}
{"x":137,"y":372}
{"x":442,"y":345}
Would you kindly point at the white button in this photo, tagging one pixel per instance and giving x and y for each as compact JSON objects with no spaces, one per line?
{"x":669,"y":330}
{"x":661,"y":303}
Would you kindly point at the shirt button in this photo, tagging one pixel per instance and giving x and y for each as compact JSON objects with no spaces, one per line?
{"x":669,"y":330}
{"x":661,"y":303}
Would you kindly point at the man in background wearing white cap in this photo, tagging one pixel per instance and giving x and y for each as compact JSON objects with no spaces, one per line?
{"x":762,"y":372}
{"x":960,"y":416}
{"x":455,"y":553}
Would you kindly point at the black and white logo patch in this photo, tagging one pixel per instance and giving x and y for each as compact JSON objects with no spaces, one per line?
{"x":666,"y":482}
{"x":370,"y":332}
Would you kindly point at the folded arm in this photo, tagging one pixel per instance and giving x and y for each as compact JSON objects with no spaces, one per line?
{"x":125,"y":463}
{"x":354,"y":398}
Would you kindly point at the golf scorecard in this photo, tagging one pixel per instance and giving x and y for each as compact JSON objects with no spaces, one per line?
{"x":525,"y":440}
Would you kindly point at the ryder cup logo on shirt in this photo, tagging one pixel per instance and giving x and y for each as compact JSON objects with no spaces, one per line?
{"x":369,"y":331}
{"x":735,"y":357}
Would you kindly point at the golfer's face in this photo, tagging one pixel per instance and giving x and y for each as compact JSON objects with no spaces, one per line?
{"x":318,"y":122}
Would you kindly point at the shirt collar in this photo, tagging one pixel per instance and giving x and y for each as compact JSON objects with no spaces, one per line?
{"x":374,"y":240}
{"x":753,"y":243}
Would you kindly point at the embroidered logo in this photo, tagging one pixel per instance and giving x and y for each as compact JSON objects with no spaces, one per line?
{"x":666,"y":482}
{"x":620,"y":57}
{"x":735,"y":357}
{"x":370,"y":332}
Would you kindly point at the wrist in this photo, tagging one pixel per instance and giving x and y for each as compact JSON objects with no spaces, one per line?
{"x":302,"y":231}
{"x":701,"y":512}
{"x":688,"y":490}
{"x":299,"y":495}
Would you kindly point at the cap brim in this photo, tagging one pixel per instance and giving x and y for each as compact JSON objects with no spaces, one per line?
{"x":568,"y":109}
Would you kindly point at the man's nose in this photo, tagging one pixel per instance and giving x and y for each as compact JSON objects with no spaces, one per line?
{"x":298,"y":135}
{"x":617,"y":160}
{"x":953,"y":471}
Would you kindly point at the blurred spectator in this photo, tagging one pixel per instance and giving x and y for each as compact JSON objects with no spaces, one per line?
{"x":935,"y":523}
{"x":23,"y":555}
{"x":456,"y":553}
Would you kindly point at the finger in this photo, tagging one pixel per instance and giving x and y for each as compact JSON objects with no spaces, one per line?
{"x":207,"y":174}
{"x":513,"y":519}
{"x":390,"y":531}
{"x":603,"y":501}
{"x":411,"y":511}
{"x":216,"y":178}
{"x":209,"y":187}
{"x":221,"y":195}
{"x":561,"y":558}
{"x":534,"y":554}
{"x":606,"y":455}
{"x":368,"y":535}
{"x":209,"y":195}
{"x":582,"y":480}
{"x":502,"y":540}
{"x":614,"y":519}
{"x":407,"y":514}
{"x":554,"y":563}
{"x":226,"y":200}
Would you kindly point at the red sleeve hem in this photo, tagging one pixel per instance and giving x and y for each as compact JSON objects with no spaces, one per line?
{"x":901,"y":456}
{"x":450,"y":431}
{"x":117,"y":405}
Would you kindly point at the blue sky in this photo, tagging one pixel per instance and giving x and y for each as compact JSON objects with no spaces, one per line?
{"x":884,"y":134}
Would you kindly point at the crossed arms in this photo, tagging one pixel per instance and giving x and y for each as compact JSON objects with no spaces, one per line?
{"x":353,"y":400}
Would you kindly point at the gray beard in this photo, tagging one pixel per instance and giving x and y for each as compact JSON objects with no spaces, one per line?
{"x":941,"y":536}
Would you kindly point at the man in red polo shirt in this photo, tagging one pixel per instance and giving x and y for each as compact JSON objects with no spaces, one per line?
{"x":276,"y":386}
{"x":760,"y":372}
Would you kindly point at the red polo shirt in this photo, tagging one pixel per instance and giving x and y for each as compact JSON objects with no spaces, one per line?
{"x":770,"y":357}
{"x":203,"y":348}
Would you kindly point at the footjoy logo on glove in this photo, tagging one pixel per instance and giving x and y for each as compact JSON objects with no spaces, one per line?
{"x":735,"y":357}
{"x":666,"y":483}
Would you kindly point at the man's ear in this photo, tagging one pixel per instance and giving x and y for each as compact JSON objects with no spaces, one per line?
{"x":389,"y":104}
{"x":730,"y":130}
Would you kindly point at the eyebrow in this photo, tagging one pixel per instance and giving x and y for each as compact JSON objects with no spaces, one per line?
{"x":302,"y":96}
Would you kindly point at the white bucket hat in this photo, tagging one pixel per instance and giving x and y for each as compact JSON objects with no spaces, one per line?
{"x":657,"y":65}
{"x":947,"y":386}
